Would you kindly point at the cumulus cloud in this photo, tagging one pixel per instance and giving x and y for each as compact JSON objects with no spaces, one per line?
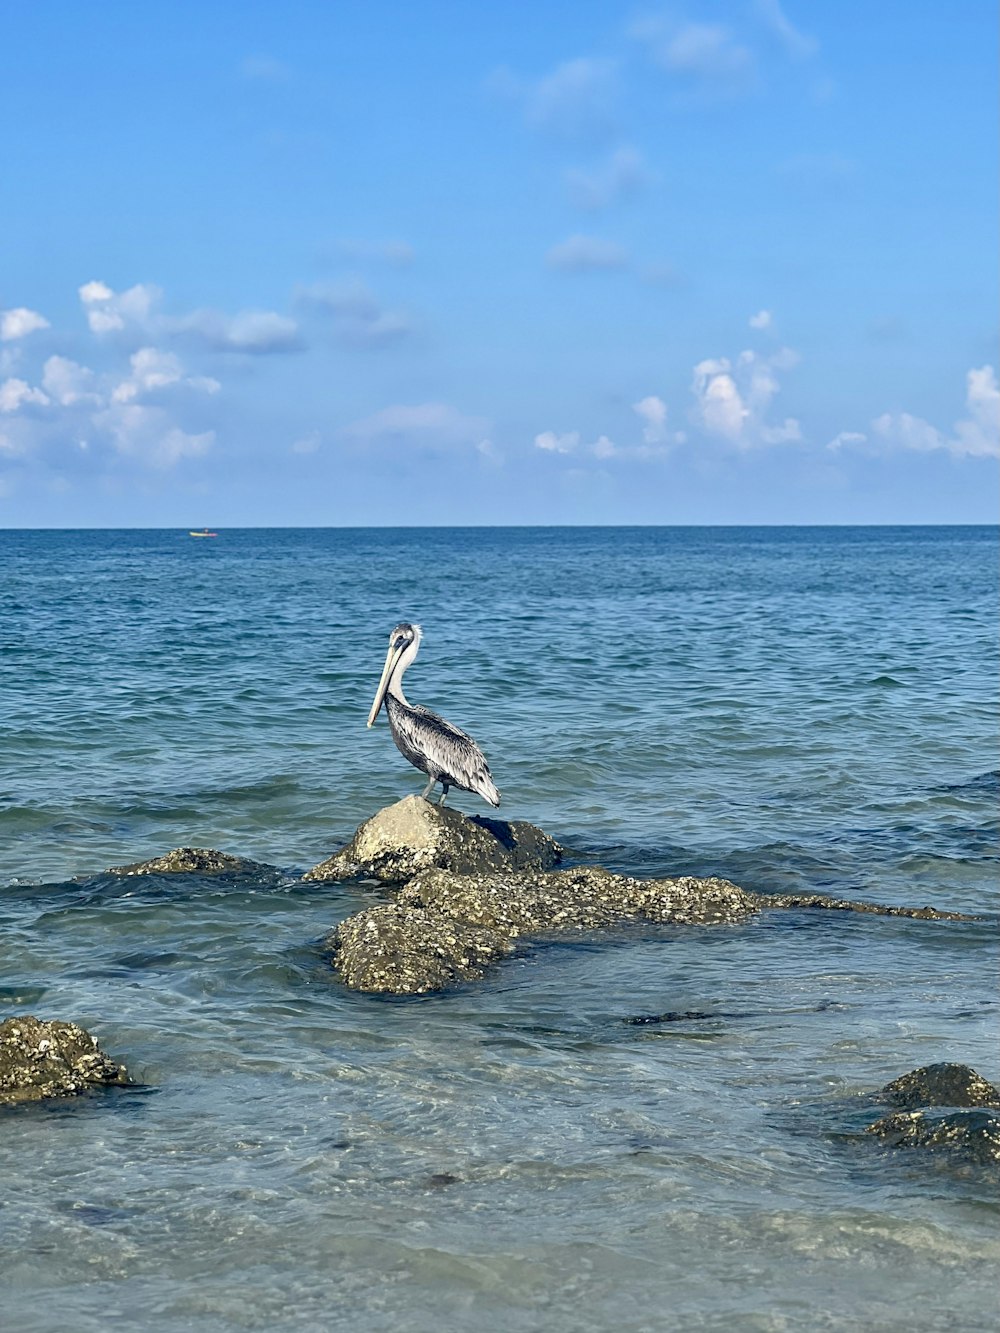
{"x":552,"y":443}
{"x":845,"y":438}
{"x":142,"y":413}
{"x":586,"y":254}
{"x":433,"y":425}
{"x":255,"y":332}
{"x":762,"y":320}
{"x":135,"y":311}
{"x":18,"y":393}
{"x":110,"y":312}
{"x":19,"y":322}
{"x":622,"y":174}
{"x":68,"y":382}
{"x":652,"y":411}
{"x":977,"y":435}
{"x":148,"y":435}
{"x":152,"y":369}
{"x":576,"y":100}
{"x":732,"y":399}
{"x":357,"y":318}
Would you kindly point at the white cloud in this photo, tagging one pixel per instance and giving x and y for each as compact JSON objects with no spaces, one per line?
{"x":427,"y":424}
{"x":583,"y":254}
{"x":707,"y":49}
{"x":19,"y":322}
{"x":17,"y":393}
{"x":846,"y":438}
{"x":706,"y":52}
{"x":762,"y":320}
{"x":110,"y":312}
{"x":256,"y":332}
{"x":796,"y":43}
{"x":94,"y":291}
{"x":357,"y":317}
{"x":732,"y":400}
{"x":68,"y":382}
{"x":575,"y":101}
{"x":976,"y":435}
{"x":552,"y":443}
{"x":134,"y":310}
{"x":307,"y":444}
{"x":653,"y":413}
{"x":623,"y":173}
{"x":152,"y":369}
{"x":148,"y":435}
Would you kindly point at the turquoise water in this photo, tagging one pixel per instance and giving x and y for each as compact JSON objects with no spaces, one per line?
{"x":793,"y":708}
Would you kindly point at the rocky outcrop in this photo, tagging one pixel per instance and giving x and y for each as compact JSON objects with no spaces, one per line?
{"x":930,"y":1096}
{"x":940,"y":1085}
{"x":472,"y":886}
{"x":443,"y":928}
{"x":973,"y":1134}
{"x":40,"y":1059}
{"x":191,"y":861}
{"x":413,"y":835}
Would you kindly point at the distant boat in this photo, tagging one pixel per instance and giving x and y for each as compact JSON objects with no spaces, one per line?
{"x":203,"y":533}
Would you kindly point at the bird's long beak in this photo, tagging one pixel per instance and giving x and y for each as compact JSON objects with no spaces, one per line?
{"x":391,"y":658}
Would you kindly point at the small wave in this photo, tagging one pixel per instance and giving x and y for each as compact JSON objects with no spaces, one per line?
{"x":983,"y":782}
{"x":887,"y":683}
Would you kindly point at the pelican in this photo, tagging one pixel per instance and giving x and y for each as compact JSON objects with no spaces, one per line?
{"x":444,"y":753}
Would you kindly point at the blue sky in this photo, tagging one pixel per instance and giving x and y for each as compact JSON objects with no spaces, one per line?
{"x":450,"y":263}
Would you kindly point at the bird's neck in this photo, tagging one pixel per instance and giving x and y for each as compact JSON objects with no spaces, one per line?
{"x":395,"y":687}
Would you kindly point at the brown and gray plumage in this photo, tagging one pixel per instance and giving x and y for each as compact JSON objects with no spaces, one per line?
{"x":445,"y":753}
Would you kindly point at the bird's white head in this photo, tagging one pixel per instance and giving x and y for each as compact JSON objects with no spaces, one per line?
{"x":403,"y":644}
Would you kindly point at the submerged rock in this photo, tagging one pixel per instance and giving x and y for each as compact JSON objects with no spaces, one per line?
{"x":40,"y":1059}
{"x":972,"y":1133}
{"x":403,"y":839}
{"x":941,"y":1085}
{"x":443,"y":928}
{"x":189,"y":861}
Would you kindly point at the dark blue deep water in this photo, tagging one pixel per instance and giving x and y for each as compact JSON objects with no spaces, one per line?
{"x":797,"y":709}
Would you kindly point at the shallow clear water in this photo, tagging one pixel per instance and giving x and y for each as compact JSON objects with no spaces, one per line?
{"x":796,"y":709}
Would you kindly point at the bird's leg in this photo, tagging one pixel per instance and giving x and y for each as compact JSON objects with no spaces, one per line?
{"x":426,"y":793}
{"x":444,"y":793}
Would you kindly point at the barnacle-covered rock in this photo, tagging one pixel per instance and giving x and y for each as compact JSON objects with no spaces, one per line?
{"x":191,"y":861}
{"x":51,"y":1059}
{"x":973,"y":1133}
{"x":941,"y":1085}
{"x":414,"y":835}
{"x":443,"y":928}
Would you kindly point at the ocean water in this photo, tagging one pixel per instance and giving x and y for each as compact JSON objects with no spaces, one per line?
{"x":796,"y":709}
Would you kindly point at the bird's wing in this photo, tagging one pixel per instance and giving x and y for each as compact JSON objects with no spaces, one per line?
{"x":447,"y":746}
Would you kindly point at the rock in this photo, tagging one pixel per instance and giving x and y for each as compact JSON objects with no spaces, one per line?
{"x":413,"y":835}
{"x":39,"y":1060}
{"x":444,"y":928}
{"x":971,"y":1133}
{"x":409,"y":952}
{"x":191,"y":861}
{"x":824,"y":900}
{"x":941,"y":1085}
